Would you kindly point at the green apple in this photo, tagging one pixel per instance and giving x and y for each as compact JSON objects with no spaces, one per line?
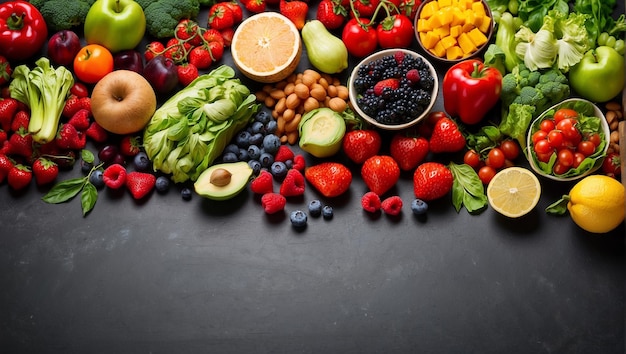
{"x":115,"y":24}
{"x":599,"y":76}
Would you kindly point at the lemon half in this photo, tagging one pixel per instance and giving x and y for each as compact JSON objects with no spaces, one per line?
{"x":513,"y":191}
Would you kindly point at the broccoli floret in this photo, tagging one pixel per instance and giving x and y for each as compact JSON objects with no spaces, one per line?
{"x":510,"y":89}
{"x":553,"y":75}
{"x":162,"y":16}
{"x":531,"y":96}
{"x":554,"y":91}
{"x":63,"y":14}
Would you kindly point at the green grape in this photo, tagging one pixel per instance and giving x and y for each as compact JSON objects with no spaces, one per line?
{"x":619,"y":46}
{"x":610,"y":42}
{"x":513,"y":7}
{"x":495,"y":16}
{"x":602,"y":38}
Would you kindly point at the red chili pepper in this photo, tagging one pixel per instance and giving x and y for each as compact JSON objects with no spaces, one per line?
{"x":470,"y":89}
{"x":23,"y":30}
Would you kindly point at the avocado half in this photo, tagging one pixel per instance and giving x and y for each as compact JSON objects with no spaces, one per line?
{"x":214,"y":183}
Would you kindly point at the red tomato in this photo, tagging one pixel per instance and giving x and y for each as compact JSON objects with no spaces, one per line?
{"x":543,"y":147}
{"x":547,"y":125}
{"x":545,"y":157}
{"x":395,"y":32}
{"x":559,"y":168}
{"x":495,"y":158}
{"x":472,"y":158}
{"x":510,"y":149}
{"x":360,"y":40}
{"x":565,"y":157}
{"x":612,"y":165}
{"x":92,"y":62}
{"x":565,"y":113}
{"x":595,"y":138}
{"x":486,"y":173}
{"x":555,"y":137}
{"x":539,"y":135}
{"x":578,"y":159}
{"x":586,"y":148}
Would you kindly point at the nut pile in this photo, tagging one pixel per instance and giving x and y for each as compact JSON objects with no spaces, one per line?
{"x":614,"y":115}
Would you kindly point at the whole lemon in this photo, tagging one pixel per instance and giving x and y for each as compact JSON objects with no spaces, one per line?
{"x":596,"y":203}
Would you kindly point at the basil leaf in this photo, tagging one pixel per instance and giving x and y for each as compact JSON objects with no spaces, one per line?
{"x":88,"y":198}
{"x":458,"y":194}
{"x":559,"y":207}
{"x":87,"y":156}
{"x":65,"y":190}
{"x":474,"y":203}
{"x":467,"y":189}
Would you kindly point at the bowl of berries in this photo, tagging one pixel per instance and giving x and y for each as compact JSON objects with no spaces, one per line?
{"x":452,"y":31}
{"x":393,"y":89}
{"x":568,"y":141}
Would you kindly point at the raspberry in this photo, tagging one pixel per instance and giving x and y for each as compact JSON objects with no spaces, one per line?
{"x":413,"y":75}
{"x":370,"y":202}
{"x":263,"y":183}
{"x":293,"y":184}
{"x":283,"y":154}
{"x":114,"y":176}
{"x":96,"y":133}
{"x":273,"y":202}
{"x":299,"y":163}
{"x":392,"y":205}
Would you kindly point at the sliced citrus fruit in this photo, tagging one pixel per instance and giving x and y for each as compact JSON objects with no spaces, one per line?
{"x":266,"y":47}
{"x":513,"y":191}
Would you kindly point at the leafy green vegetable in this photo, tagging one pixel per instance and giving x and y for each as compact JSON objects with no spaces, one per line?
{"x":192,"y":128}
{"x":63,"y":14}
{"x":601,"y":20}
{"x":467,"y":189}
{"x":496,"y":58}
{"x":515,"y":124}
{"x":505,"y":39}
{"x":533,"y":12}
{"x":44,"y":90}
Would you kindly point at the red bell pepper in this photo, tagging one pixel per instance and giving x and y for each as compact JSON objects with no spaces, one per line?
{"x":23,"y":30}
{"x":470,"y":89}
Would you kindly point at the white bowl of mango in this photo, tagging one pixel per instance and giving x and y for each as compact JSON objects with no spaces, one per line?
{"x":453,"y":30}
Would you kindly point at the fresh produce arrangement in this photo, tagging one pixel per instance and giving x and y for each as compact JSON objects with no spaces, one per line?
{"x":148,"y":102}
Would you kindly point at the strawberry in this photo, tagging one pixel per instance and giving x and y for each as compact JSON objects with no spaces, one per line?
{"x":20,"y":120}
{"x":392,"y":205}
{"x":8,"y":107}
{"x":263,"y":183}
{"x":72,"y":105}
{"x":283,"y":154}
{"x":140,"y":183}
{"x":85,"y":103}
{"x":331,"y":13}
{"x":255,"y":6}
{"x":45,"y":171}
{"x":5,"y":70}
{"x":294,"y":10}
{"x":176,"y":50}
{"x":432,"y":180}
{"x":329,"y":178}
{"x":114,"y":176}
{"x":21,"y":144}
{"x":299,"y":163}
{"x":80,"y":120}
{"x":293,"y":184}
{"x":380,"y":173}
{"x":408,"y":151}
{"x":216,"y":49}
{"x":236,"y":9}
{"x":70,"y":138}
{"x":6,"y":164}
{"x":187,"y":72}
{"x":409,"y":8}
{"x":386,"y":84}
{"x":361,"y":144}
{"x":446,"y":137}
{"x":188,"y":30}
{"x":273,"y":202}
{"x":227,"y":36}
{"x":19,"y":176}
{"x":200,"y":57}
{"x":220,"y":16}
{"x":3,"y":137}
{"x":96,"y":133}
{"x":365,"y":8}
{"x":153,"y":49}
{"x":79,"y":89}
{"x":370,"y":202}
{"x":130,"y":145}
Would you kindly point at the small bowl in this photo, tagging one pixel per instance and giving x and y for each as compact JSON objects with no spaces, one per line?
{"x":589,"y":109}
{"x":421,"y":28}
{"x":354,"y":95}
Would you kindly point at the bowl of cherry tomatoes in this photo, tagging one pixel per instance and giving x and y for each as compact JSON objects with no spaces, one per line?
{"x":454,"y":31}
{"x":568,"y":141}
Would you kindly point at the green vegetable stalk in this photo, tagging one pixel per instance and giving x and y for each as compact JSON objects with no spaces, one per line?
{"x":192,"y":128}
{"x":44,"y":90}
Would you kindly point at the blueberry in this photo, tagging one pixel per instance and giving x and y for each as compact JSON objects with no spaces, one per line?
{"x":266,"y":159}
{"x":185,"y":193}
{"x":256,"y":139}
{"x":257,"y":127}
{"x":255,"y":165}
{"x":141,"y":161}
{"x":298,"y":218}
{"x":289,"y":164}
{"x":315,"y":207}
{"x":271,"y":143}
{"x":231,"y":148}
{"x":254,"y":152}
{"x":231,"y":156}
{"x":162,"y":184}
{"x":263,"y":116}
{"x":243,"y":139}
{"x":85,"y":166}
{"x":327,"y":212}
{"x":271,"y":127}
{"x":419,"y":206}
{"x":243,"y":155}
{"x":96,"y":178}
{"x":278,"y":169}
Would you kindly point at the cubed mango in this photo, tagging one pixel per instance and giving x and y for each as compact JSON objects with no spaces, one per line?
{"x":466,"y":44}
{"x":477,"y":37}
{"x":454,"y":52}
{"x":448,"y":42}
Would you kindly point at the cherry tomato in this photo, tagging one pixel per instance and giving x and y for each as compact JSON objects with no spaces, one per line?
{"x":79,"y":89}
{"x":472,"y":158}
{"x":559,"y":168}
{"x":360,"y":40}
{"x":92,"y":63}
{"x":586,"y":148}
{"x":486,"y":173}
{"x":547,"y":125}
{"x":595,"y":138}
{"x":543,"y":147}
{"x":578,"y":159}
{"x":395,"y":31}
{"x":510,"y":149}
{"x":612,"y":165}
{"x":539,"y":135}
{"x":545,"y":157}
{"x":495,"y":158}
{"x":555,"y":137}
{"x":565,"y":157}
{"x":564,"y":113}
{"x":568,"y":128}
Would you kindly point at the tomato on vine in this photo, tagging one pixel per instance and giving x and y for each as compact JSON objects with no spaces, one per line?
{"x":360,"y":39}
{"x":395,"y":31}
